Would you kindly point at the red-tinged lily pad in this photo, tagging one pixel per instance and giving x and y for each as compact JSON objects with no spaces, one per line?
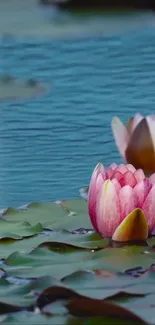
{"x":82,"y":306}
{"x":96,"y":307}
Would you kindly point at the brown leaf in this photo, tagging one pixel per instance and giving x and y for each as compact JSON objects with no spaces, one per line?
{"x":95,"y":307}
{"x":79,"y":305}
{"x":8,"y":308}
{"x":55,"y":293}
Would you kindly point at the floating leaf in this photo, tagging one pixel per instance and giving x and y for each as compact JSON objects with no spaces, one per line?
{"x":92,"y":307}
{"x":26,"y":318}
{"x":65,"y":267}
{"x":43,"y":262}
{"x":18,"y":230}
{"x":143,"y":307}
{"x":60,"y":263}
{"x":69,"y":215}
{"x":81,"y":306}
{"x":61,"y":241}
{"x":23,"y":295}
{"x":10,"y":88}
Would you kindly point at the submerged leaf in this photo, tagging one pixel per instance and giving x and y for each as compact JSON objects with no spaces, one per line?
{"x":10,"y":88}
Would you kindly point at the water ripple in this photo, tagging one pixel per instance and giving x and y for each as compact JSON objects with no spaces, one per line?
{"x":50,"y":145}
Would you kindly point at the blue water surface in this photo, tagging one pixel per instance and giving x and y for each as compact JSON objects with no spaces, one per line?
{"x":49,"y":145}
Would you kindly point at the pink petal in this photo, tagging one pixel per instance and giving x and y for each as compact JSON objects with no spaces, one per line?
{"x":117,"y":175}
{"x":138,"y":117}
{"x":141,"y":190}
{"x":107,"y":209}
{"x":113,"y":166}
{"x":95,"y":183}
{"x":110,"y":170}
{"x":109,"y":173}
{"x":122,"y":168}
{"x":152,"y":116}
{"x":92,"y":200}
{"x":120,"y":134}
{"x":131,"y":168}
{"x":149,"y":208}
{"x":128,"y":179}
{"x":99,"y":169}
{"x":139,"y":175}
{"x":152,"y":179}
{"x":116,"y":184}
{"x":128,"y":200}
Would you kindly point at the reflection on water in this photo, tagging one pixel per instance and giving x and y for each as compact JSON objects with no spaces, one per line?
{"x":49,"y":145}
{"x":29,"y":18}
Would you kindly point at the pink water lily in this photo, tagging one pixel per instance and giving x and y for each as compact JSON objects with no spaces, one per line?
{"x":121,"y":202}
{"x":136,"y":141}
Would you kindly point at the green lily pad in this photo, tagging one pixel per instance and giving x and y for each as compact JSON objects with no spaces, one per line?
{"x":151,"y":241}
{"x":48,"y":319}
{"x":34,"y":318}
{"x":60,"y":241}
{"x":23,"y":294}
{"x":24,"y":267}
{"x":143,"y":307}
{"x":68,"y":215}
{"x":60,"y":263}
{"x":57,"y":266}
{"x":43,"y":256}
{"x":125,"y":258}
{"x":18,"y":230}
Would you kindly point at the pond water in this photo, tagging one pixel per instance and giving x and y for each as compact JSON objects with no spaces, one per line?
{"x":96,"y":67}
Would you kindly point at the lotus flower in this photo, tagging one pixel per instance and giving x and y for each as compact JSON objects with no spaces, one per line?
{"x":136,"y":141}
{"x":121,"y":202}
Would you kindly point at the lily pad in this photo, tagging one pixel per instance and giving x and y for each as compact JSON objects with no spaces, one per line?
{"x":24,"y":294}
{"x":11,"y":89}
{"x":18,"y":230}
{"x":69,"y":215}
{"x":34,"y":318}
{"x":62,"y":263}
{"x":54,"y":267}
{"x":58,"y":241}
{"x":144,"y":307}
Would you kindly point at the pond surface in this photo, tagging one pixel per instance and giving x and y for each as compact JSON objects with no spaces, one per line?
{"x":50,"y":144}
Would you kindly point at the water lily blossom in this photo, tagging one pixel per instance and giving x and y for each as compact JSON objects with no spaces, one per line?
{"x":136,"y":141}
{"x":121,"y":202}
